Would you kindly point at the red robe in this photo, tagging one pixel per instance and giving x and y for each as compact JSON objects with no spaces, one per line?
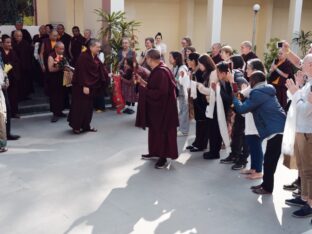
{"x":91,"y":73}
{"x":158,"y":111}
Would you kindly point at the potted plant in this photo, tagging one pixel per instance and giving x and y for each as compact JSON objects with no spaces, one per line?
{"x":115,"y":28}
{"x":272,"y":52}
{"x":303,"y":40}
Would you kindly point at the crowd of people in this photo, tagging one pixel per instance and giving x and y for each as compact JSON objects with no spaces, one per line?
{"x":235,"y":102}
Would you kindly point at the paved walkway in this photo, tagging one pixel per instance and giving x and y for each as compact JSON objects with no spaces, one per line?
{"x":53,"y":182}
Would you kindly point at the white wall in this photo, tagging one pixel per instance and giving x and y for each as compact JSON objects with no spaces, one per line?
{"x":7,"y":29}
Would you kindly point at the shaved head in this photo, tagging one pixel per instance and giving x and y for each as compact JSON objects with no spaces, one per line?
{"x":53,"y":35}
{"x":59,"y":48}
{"x":18,"y":35}
{"x":308,"y":58}
{"x":307,"y":65}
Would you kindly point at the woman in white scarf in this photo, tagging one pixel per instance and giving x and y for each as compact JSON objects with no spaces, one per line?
{"x":219,"y":96}
{"x":181,"y":74}
{"x":3,"y":134}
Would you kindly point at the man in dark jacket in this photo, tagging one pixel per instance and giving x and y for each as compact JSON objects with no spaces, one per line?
{"x":269,"y":119}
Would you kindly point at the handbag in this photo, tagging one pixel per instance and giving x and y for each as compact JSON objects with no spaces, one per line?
{"x":68,"y":78}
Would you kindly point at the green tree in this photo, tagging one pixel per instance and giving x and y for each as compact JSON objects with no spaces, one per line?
{"x":115,"y":27}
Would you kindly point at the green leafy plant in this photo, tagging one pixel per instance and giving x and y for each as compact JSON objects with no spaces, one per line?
{"x":303,"y":40}
{"x":272,"y":52}
{"x":115,"y":28}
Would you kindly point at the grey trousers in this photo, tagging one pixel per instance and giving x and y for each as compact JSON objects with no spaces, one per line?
{"x":184,"y":119}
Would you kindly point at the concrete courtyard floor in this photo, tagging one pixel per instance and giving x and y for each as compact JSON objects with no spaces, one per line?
{"x":54,"y":182}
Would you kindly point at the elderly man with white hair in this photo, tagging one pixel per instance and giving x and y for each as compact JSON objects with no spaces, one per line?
{"x":302,"y":101}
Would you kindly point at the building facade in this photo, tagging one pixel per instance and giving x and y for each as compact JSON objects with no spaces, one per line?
{"x":205,"y":21}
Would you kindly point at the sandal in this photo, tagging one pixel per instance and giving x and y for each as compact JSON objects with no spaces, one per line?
{"x":91,"y":130}
{"x":255,"y":176}
{"x":76,"y":131}
{"x":247,"y":172}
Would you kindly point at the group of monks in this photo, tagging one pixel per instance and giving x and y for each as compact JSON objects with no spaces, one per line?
{"x":45,"y":58}
{"x":29,"y":59}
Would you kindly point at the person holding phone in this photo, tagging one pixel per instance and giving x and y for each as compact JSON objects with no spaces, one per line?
{"x":239,"y":149}
{"x":281,"y":70}
{"x":269,"y":119}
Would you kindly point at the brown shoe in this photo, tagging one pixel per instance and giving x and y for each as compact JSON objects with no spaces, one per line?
{"x":261,"y":191}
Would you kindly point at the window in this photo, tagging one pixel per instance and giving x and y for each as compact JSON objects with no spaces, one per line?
{"x":12,"y":11}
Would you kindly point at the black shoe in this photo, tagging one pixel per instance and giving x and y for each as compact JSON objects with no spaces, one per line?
{"x":195,"y":149}
{"x":293,"y":186}
{"x":161,"y":163}
{"x":189,"y":147}
{"x":13,"y":137}
{"x":54,"y":119}
{"x":229,"y":160}
{"x":210,"y":156}
{"x":261,"y":191}
{"x":296,"y":193}
{"x":62,"y":115}
{"x":3,"y":149}
{"x":131,"y":111}
{"x":147,"y":157}
{"x":295,"y":202}
{"x":238,"y":166}
{"x":256,"y":187}
{"x":304,"y":212}
{"x":127,"y":111}
{"x":16,"y":116}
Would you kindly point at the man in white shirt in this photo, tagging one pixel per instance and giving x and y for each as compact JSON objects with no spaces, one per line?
{"x":302,"y":98}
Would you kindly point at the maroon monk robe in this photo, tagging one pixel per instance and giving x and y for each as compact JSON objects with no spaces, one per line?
{"x":47,"y":50}
{"x":91,"y":73}
{"x":158,"y":111}
{"x":24,"y":52}
{"x":65,"y":38}
{"x":55,"y":89}
{"x":26,"y":35}
{"x":14,"y":76}
{"x":76,"y":46}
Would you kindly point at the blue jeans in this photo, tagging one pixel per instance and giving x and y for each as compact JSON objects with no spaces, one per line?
{"x":256,"y":153}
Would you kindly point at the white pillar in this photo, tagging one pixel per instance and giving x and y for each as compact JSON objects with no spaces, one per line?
{"x":214,"y":21}
{"x":190,"y":18}
{"x":294,"y":22}
{"x":117,"y":5}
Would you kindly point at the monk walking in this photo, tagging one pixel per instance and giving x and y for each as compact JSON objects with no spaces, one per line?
{"x":158,"y":111}
{"x":90,"y":77}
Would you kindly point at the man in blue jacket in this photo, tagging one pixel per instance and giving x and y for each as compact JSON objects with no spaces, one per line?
{"x":269,"y":119}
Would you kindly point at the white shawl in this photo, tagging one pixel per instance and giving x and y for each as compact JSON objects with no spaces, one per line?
{"x":3,"y":108}
{"x":290,"y":130}
{"x":184,"y":81}
{"x":215,"y":98}
{"x":193,"y":86}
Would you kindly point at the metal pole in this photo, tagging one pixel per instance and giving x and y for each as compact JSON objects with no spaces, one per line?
{"x":254,"y":31}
